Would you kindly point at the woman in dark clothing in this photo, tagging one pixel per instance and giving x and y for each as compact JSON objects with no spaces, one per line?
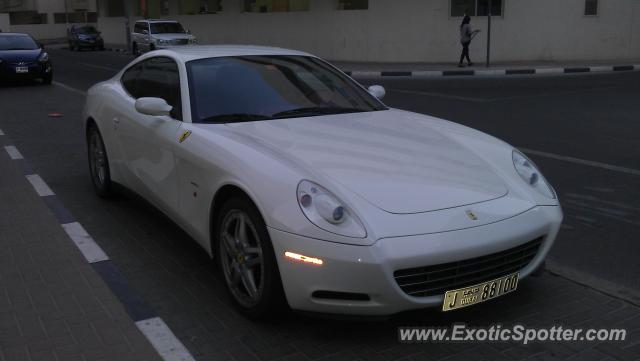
{"x":466,"y":34}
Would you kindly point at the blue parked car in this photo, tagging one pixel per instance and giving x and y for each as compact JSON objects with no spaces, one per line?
{"x":85,"y":37}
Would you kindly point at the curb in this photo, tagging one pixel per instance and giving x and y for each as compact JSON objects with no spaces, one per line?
{"x":491,"y":72}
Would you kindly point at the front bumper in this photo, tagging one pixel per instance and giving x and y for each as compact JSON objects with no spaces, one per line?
{"x":90,"y":43}
{"x":369,"y":270}
{"x":35,"y":70}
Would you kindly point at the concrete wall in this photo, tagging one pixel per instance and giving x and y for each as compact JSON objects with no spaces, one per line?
{"x":4,"y":22}
{"x":42,"y":32}
{"x":419,"y":30}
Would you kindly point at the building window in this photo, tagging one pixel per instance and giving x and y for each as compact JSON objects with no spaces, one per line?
{"x":591,"y":7}
{"x":27,"y":17}
{"x":353,"y":4}
{"x":75,"y":17}
{"x":475,"y":7}
{"x":269,"y":6}
{"x":193,"y":7}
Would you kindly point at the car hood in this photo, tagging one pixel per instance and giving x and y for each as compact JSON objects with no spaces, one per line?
{"x":172,"y":36}
{"x":401,"y":162}
{"x":14,"y":56}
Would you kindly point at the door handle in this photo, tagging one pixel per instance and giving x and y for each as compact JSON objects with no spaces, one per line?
{"x":116,"y":121}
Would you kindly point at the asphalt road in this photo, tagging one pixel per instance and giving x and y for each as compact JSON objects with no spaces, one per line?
{"x":583,"y":131}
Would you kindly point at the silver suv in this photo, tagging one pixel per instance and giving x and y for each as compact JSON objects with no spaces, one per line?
{"x":150,"y":35}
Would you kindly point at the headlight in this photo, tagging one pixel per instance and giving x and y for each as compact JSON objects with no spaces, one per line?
{"x":531,"y":175}
{"x":327,"y":212}
{"x":193,"y":41}
{"x":44,"y":57}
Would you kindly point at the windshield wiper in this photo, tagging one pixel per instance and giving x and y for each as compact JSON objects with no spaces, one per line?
{"x":235,"y":118}
{"x":312,"y":111}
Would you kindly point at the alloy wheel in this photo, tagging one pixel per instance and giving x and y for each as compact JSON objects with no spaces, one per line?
{"x":241,"y":258}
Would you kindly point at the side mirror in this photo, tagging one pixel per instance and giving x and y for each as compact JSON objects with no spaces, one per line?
{"x":377,"y":91}
{"x":157,"y":107}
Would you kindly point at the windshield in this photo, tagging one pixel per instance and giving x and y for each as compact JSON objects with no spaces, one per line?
{"x":17,"y":42}
{"x":87,"y":30}
{"x":166,"y":28}
{"x":249,"y":88}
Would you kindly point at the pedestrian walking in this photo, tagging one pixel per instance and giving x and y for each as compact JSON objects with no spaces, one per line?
{"x":466,"y":35}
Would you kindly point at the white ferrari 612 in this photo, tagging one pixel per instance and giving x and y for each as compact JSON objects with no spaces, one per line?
{"x":308,"y":191}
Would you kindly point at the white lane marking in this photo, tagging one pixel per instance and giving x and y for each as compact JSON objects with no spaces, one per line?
{"x":163,"y":340}
{"x":99,"y":67}
{"x":440,"y":95}
{"x":1,"y":132}
{"x":590,"y":163}
{"x":549,"y":71}
{"x":85,"y":243}
{"x":39,"y":185}
{"x":69,"y":88}
{"x":13,"y":152}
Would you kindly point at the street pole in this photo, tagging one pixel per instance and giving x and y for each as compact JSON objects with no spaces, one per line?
{"x":489,"y":35}
{"x":66,"y":15}
{"x":127,"y":25}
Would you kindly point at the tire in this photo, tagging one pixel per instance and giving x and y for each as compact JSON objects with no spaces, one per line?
{"x":99,"y":163}
{"x":48,"y":79}
{"x":247,"y":261}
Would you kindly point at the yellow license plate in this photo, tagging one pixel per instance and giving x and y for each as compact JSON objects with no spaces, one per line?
{"x":468,"y":296}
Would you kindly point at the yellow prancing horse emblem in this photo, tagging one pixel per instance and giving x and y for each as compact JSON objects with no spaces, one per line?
{"x":471,"y":215}
{"x":184,"y":136}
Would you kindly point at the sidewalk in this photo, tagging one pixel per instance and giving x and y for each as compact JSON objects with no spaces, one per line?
{"x":53,"y":305}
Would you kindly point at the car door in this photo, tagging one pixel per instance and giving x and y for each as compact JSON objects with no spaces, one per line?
{"x":147,"y":142}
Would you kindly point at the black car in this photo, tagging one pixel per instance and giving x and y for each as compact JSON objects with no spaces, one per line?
{"x":84,"y":36}
{"x":21,"y":57}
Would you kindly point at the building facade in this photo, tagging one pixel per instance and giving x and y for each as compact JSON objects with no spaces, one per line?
{"x":386,"y":30}
{"x":45,"y":19}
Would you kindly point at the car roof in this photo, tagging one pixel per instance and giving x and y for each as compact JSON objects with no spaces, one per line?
{"x":195,"y":52}
{"x":156,"y":21}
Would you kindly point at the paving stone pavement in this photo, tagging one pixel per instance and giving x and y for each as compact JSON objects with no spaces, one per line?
{"x":53,"y":306}
{"x":180,"y":282}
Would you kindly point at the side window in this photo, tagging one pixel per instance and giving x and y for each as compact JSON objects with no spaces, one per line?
{"x":160,"y":78}
{"x":139,"y":28}
{"x":130,"y":78}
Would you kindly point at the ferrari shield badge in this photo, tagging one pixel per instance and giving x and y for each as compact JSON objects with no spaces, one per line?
{"x":184,"y":136}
